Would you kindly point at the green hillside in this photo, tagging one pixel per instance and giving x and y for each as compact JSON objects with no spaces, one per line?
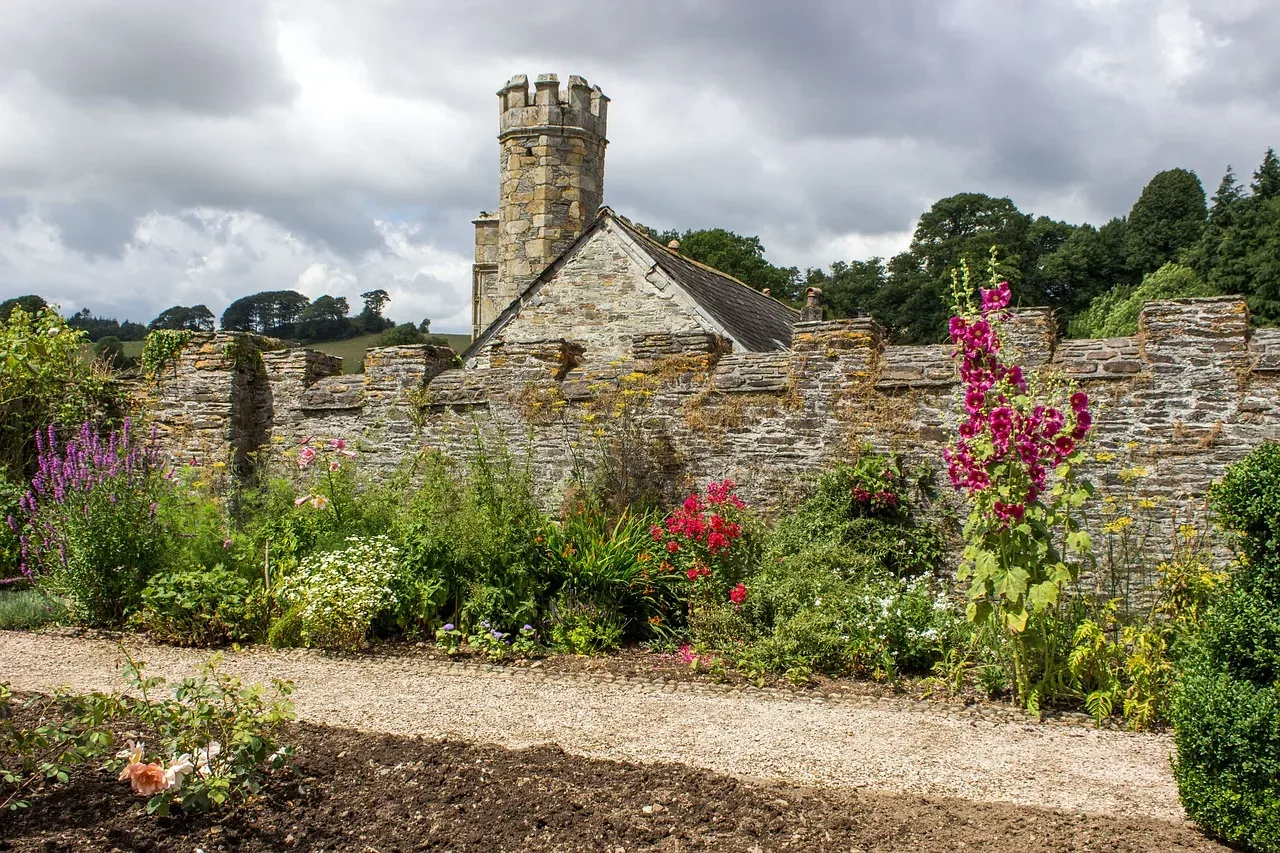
{"x":352,"y":349}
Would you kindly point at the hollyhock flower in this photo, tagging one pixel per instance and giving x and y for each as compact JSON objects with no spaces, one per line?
{"x":974,"y":401}
{"x":1079,"y":401}
{"x":1064,"y":445}
{"x":738,"y":594}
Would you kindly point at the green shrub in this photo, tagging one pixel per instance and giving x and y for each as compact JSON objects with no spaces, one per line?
{"x":610,"y":565}
{"x":11,"y":493}
{"x":585,"y":628}
{"x":1227,"y":725}
{"x":865,"y":507}
{"x":339,"y":597}
{"x":200,"y":606}
{"x":469,"y":538}
{"x":1226,"y":709}
{"x":28,"y":608}
{"x":823,"y":611}
{"x":1114,"y":314}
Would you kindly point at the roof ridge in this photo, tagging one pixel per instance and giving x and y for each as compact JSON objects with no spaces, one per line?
{"x":636,"y":231}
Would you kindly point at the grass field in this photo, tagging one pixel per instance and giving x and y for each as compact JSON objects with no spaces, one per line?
{"x":351,"y":350}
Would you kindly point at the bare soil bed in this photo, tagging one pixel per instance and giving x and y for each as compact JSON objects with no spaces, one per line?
{"x":355,"y":791}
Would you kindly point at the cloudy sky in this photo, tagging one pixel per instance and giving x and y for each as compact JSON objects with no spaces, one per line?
{"x":155,"y":152}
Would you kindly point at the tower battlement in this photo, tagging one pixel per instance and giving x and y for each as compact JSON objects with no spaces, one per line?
{"x":579,"y":105}
{"x":550,"y":185}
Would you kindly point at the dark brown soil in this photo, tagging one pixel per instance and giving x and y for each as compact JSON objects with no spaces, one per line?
{"x":353,"y":791}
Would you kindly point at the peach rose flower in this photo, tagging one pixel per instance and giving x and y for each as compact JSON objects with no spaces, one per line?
{"x":148,"y":779}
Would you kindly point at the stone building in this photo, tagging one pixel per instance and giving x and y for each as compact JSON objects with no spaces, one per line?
{"x":554,"y":264}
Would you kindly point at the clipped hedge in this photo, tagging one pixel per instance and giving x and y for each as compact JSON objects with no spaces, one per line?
{"x":1226,"y":709}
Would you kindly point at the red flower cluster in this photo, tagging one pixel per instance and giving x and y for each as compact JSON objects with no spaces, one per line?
{"x":999,"y":427}
{"x":703,"y":521}
{"x":738,"y":594}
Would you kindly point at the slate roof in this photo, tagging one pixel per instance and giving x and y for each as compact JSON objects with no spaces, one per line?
{"x":760,"y":323}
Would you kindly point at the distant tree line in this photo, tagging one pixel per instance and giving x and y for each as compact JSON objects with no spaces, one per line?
{"x":1173,"y":243}
{"x":279,"y":313}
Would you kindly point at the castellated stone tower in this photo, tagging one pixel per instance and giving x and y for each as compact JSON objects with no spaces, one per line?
{"x":551,"y":176}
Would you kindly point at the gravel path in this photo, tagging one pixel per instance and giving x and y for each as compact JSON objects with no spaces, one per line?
{"x":752,"y":736}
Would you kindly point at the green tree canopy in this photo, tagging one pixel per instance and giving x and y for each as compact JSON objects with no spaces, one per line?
{"x":738,"y":256}
{"x":1168,"y":217}
{"x":30,"y":303}
{"x":268,"y":312}
{"x":196,"y":318}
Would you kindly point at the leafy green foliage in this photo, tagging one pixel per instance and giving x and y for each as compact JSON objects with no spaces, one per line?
{"x":739,"y":256}
{"x":216,"y":739}
{"x":64,"y":731}
{"x":202,"y":606}
{"x":196,"y":318}
{"x":31,"y":303}
{"x":597,"y":566}
{"x":406,"y":334}
{"x":44,"y":380}
{"x":467,"y":537}
{"x":880,"y":531}
{"x":161,"y":349}
{"x":1167,"y":218}
{"x":1115,"y":314}
{"x":832,"y":610}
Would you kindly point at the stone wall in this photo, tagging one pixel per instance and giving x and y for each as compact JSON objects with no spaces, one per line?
{"x":1193,"y":392}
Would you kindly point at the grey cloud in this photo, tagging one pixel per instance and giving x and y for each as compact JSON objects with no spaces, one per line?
{"x":206,"y":57}
{"x":840,"y":118}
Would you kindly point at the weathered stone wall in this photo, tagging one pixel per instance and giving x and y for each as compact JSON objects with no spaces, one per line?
{"x":1193,"y":392}
{"x":551,"y":178}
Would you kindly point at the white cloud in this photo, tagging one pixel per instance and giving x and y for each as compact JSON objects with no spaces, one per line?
{"x":213,"y":257}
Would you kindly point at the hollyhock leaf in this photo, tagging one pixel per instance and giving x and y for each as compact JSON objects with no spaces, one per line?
{"x":1042,"y":595}
{"x":1013,"y":584}
{"x":1016,"y":621}
{"x":1080,"y":542}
